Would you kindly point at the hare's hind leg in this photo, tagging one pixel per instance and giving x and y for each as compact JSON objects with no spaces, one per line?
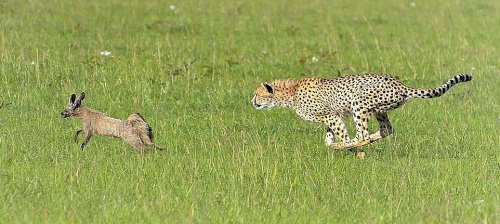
{"x":147,"y":141}
{"x":137,"y":143}
{"x":132,"y":136}
{"x":140,"y":146}
{"x":157,"y":147}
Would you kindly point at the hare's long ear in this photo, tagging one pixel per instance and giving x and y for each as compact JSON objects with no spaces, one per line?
{"x":72,"y":99}
{"x":80,"y":98}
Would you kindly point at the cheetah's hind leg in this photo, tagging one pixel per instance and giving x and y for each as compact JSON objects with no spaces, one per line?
{"x":385,"y":130}
{"x":362,"y":134}
{"x":385,"y":127}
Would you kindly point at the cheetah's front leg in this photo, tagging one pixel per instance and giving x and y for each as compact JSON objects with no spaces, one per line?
{"x":336,"y":128}
{"x":362,"y":135}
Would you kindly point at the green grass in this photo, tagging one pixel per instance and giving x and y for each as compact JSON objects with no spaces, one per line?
{"x":229,"y":163}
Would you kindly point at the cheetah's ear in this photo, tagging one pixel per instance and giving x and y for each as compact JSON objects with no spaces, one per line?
{"x":268,"y":87}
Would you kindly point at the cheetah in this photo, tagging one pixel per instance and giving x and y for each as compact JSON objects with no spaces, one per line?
{"x":331,"y":101}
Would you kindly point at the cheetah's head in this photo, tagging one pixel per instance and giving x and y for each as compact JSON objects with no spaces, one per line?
{"x":264,"y":97}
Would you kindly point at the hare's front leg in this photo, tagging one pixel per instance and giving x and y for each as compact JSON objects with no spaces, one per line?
{"x":87,"y":138}
{"x":76,"y":135}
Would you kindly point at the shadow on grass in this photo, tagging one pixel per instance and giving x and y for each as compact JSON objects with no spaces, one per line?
{"x":3,"y":104}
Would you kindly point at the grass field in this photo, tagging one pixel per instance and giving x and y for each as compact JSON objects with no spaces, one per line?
{"x":190,"y":68}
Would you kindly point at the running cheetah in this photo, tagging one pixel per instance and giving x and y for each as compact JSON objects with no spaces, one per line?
{"x":331,"y":101}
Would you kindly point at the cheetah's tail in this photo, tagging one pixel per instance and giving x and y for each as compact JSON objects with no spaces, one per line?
{"x":436,"y":92}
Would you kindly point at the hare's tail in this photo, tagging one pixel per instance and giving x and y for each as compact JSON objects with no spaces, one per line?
{"x":142,"y":127}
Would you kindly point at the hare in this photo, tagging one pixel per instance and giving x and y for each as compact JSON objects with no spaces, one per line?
{"x":134,"y":130}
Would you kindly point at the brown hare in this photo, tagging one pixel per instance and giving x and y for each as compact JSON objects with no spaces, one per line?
{"x":134,"y":130}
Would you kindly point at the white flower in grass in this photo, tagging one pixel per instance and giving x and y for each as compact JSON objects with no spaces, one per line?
{"x":33,"y":63}
{"x":413,"y":4}
{"x":173,"y":8}
{"x":314,"y":59}
{"x":472,"y":69}
{"x":105,"y":53}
